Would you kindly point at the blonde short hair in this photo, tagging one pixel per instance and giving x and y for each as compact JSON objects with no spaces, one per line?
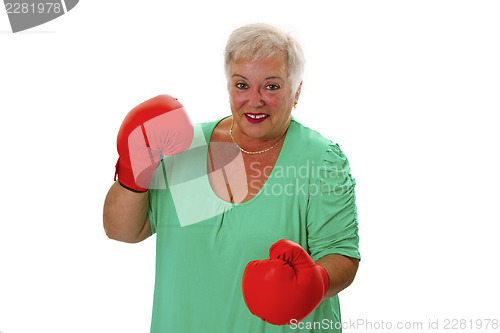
{"x":260,"y":41}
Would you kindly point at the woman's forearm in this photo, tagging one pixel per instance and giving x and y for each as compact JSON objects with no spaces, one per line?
{"x":125,"y":215}
{"x":341,"y":271}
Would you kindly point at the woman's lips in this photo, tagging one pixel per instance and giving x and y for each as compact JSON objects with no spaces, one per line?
{"x":256,"y":118}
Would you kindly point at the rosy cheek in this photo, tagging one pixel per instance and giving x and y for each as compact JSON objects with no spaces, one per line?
{"x":273,"y":100}
{"x":237,"y":99}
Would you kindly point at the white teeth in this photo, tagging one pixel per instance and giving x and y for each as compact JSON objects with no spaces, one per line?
{"x":260,"y":116}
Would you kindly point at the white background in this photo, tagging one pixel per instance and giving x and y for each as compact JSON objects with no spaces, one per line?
{"x":409,"y":89}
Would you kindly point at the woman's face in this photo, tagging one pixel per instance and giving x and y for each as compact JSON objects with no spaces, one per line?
{"x":260,"y":97}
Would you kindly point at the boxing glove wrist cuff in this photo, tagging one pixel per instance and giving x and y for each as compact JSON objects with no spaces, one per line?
{"x":126,"y":178}
{"x":326,"y":279}
{"x":131,"y":189}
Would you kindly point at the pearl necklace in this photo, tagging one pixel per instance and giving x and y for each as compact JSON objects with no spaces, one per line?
{"x":251,"y":152}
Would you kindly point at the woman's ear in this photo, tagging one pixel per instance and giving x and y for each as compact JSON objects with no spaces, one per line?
{"x":297,"y":94}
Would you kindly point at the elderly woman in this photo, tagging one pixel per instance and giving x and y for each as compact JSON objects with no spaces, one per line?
{"x":223,"y":196}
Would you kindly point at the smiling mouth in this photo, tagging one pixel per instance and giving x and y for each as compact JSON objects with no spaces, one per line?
{"x":256,"y":116}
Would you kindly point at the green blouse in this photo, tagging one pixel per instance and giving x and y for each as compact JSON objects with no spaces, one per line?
{"x":204,"y":243}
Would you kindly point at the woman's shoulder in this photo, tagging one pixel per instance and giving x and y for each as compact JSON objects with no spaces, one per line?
{"x":208,"y":127}
{"x":313,"y":145}
{"x":306,"y":137}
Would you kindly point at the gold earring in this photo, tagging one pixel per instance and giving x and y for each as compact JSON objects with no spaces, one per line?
{"x":295,"y":105}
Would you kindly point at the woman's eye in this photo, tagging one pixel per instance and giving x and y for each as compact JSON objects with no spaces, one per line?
{"x":240,"y":85}
{"x":273,"y":86}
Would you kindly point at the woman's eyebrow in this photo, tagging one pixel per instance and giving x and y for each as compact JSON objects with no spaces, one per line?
{"x":274,"y":77}
{"x":240,"y":76}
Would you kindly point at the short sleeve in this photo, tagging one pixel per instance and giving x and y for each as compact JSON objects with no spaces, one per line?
{"x":332,"y":220}
{"x":152,"y":210}
{"x":156,"y":191}
{"x":152,"y":217}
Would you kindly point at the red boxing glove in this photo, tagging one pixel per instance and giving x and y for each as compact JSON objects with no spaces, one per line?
{"x":157,"y":126}
{"x":289,"y":285}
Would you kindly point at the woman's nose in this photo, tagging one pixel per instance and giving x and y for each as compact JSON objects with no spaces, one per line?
{"x":255,"y":98}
